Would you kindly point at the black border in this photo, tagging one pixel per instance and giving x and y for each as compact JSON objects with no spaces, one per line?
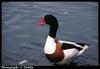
{"x":54,"y":0}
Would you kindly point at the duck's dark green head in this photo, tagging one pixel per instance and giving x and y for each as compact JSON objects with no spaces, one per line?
{"x":52,"y":22}
{"x":49,"y":19}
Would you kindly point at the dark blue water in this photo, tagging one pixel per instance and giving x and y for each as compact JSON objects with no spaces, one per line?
{"x":23,"y":39}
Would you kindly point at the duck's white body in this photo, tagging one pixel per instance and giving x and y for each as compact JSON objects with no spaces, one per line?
{"x":69,"y":54}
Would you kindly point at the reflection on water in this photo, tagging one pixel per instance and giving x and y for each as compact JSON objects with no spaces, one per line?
{"x":72,"y":64}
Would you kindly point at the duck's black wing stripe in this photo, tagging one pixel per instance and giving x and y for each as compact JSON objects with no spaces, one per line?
{"x":69,"y":46}
{"x":82,"y":44}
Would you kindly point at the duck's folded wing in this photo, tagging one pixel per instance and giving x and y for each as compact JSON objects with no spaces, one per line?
{"x":70,"y":46}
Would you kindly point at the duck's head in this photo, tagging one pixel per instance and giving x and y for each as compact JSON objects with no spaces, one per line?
{"x":52,"y":22}
{"x":49,"y":20}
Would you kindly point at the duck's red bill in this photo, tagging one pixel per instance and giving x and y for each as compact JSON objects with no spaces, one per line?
{"x":42,"y":21}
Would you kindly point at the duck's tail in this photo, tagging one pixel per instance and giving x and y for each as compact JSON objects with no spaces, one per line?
{"x":85,"y":47}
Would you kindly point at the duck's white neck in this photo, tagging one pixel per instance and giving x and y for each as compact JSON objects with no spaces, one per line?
{"x":50,"y":45}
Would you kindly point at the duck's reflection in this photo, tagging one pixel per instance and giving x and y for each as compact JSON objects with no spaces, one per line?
{"x":71,"y":64}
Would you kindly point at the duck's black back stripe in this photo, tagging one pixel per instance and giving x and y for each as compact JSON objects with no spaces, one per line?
{"x":82,"y":44}
{"x":69,"y":46}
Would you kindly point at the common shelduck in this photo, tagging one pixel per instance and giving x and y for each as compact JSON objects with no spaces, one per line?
{"x":58,"y":51}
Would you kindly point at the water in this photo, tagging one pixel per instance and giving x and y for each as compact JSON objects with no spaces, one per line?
{"x":23,"y":39}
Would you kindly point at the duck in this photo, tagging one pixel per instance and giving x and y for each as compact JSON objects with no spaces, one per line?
{"x":60,"y":51}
